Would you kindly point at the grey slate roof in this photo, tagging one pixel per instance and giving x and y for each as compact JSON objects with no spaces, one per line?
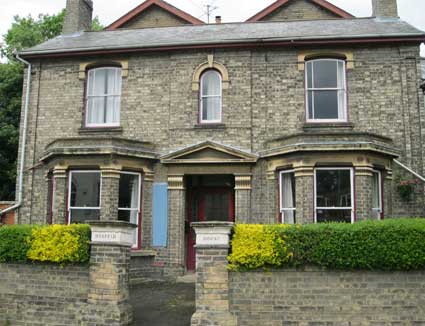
{"x":227,"y":33}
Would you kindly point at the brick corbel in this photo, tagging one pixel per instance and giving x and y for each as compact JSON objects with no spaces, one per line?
{"x":82,"y":73}
{"x":243,"y":182}
{"x":176,"y":182}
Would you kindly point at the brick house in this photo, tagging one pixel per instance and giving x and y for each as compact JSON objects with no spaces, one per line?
{"x":301,"y":114}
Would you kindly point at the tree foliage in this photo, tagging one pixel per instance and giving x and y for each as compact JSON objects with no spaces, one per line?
{"x":25,"y":32}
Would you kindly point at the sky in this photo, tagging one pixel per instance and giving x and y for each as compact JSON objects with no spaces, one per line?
{"x":412,"y":11}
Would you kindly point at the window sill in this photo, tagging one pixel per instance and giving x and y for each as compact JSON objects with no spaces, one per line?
{"x":94,"y":130}
{"x":312,"y":126}
{"x":142,"y":253}
{"x":210,"y":126}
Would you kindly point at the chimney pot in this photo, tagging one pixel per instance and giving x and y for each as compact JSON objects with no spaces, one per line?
{"x":218,"y":19}
{"x":78,"y":16}
{"x":384,"y":8}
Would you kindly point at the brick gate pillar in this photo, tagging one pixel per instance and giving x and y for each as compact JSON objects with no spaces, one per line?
{"x":212,"y":276}
{"x":109,"y":295}
{"x":242,"y":197}
{"x":59,"y":195}
{"x":109,"y":193}
{"x":177,"y":217}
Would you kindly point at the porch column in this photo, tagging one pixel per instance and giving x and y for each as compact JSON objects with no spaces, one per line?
{"x":212,"y":276}
{"x":109,"y":193}
{"x":304,"y":194}
{"x":147,"y":220}
{"x":363,"y":178}
{"x":243,"y":197}
{"x":59,"y":195}
{"x":177,"y":217}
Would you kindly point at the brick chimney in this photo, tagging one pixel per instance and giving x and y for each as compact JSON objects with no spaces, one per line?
{"x":384,"y":8}
{"x":218,"y":19}
{"x":78,"y":16}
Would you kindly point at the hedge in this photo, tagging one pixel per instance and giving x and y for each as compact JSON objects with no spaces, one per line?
{"x":61,"y":244}
{"x":394,"y":244}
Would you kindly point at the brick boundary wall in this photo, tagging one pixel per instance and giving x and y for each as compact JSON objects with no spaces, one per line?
{"x":299,"y":297}
{"x":93,"y":294}
{"x":332,"y":298}
{"x":8,"y":218}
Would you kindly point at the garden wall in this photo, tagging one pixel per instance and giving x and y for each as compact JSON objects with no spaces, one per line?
{"x":316,"y":297}
{"x":42,"y":294}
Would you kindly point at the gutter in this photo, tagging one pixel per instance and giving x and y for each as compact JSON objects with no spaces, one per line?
{"x":24,"y":138}
{"x":409,"y":170}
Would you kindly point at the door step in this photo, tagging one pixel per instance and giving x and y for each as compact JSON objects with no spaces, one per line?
{"x":187,"y":278}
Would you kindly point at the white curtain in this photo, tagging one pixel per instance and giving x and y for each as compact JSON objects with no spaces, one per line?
{"x":375,"y":191}
{"x":341,"y":92}
{"x":288,"y":198}
{"x":211,"y":96}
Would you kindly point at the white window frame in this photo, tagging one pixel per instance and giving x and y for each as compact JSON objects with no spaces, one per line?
{"x":378,"y":210}
{"x":281,"y":208}
{"x":138,"y":205}
{"x":337,"y":89}
{"x":88,"y":97}
{"x":316,"y":208}
{"x":202,"y":96}
{"x":70,"y":188}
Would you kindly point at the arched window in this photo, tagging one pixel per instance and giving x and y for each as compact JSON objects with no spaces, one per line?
{"x":326,"y":90}
{"x":210,"y":97}
{"x":103,"y":97}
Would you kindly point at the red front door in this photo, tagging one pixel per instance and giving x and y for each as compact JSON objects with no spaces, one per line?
{"x":207,"y":204}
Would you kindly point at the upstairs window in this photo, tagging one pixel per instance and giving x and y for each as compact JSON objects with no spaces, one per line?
{"x":210,"y":97}
{"x":326,"y":91}
{"x":103,"y":97}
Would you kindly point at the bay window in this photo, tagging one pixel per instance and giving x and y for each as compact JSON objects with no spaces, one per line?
{"x":287,"y":196}
{"x":326,"y":90}
{"x":129,"y":201}
{"x":334,"y":195}
{"x":210,"y":97}
{"x":84,"y":196}
{"x":377,"y":194}
{"x":103,"y":97}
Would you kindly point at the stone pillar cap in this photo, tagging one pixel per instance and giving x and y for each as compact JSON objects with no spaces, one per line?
{"x":211,"y":224}
{"x":115,"y":224}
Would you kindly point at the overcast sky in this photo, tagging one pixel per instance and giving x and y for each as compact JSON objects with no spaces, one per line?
{"x":412,"y":11}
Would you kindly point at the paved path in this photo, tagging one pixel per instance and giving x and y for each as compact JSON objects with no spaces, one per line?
{"x":163,"y":304}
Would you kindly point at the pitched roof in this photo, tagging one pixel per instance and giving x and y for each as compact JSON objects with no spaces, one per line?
{"x":289,"y":33}
{"x":149,"y":3}
{"x":279,"y":3}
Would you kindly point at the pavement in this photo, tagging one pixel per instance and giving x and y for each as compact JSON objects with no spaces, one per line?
{"x":163,"y":303}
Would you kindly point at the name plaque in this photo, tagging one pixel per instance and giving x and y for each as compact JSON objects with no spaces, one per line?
{"x":105,"y":236}
{"x":212,"y":239}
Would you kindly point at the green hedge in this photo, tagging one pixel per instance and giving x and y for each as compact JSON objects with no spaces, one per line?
{"x":393,"y":244}
{"x":61,"y":244}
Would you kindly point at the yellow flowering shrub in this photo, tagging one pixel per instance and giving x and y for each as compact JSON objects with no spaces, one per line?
{"x":256,"y":246}
{"x":60,"y":244}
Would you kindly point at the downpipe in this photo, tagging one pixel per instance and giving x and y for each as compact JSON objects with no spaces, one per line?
{"x":409,"y":170}
{"x":24,"y":138}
